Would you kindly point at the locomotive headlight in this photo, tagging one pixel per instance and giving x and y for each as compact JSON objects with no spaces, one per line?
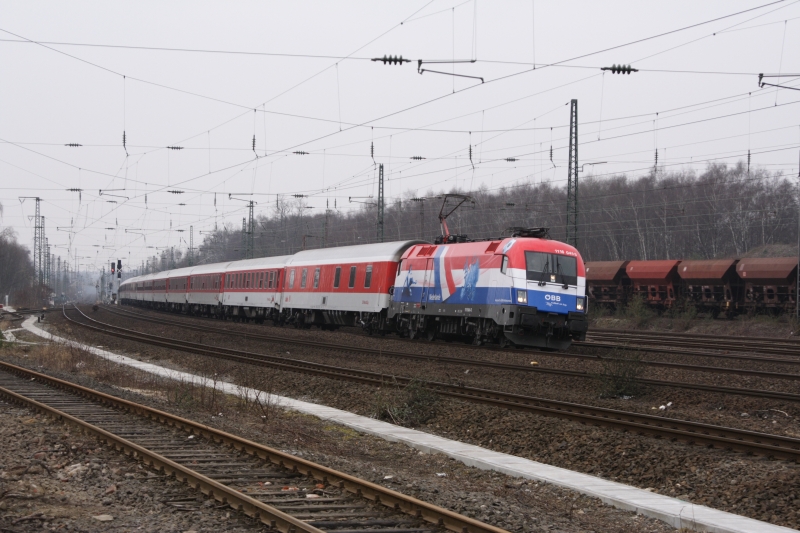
{"x":522,"y":296}
{"x":580,"y":303}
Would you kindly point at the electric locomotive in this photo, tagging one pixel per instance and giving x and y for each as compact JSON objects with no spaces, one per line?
{"x":524,"y":290}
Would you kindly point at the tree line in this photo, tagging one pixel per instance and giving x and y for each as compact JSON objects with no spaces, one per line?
{"x":723,"y":211}
{"x":16,"y":267}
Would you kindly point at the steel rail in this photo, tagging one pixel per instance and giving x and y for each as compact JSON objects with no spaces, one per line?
{"x":664,"y":340}
{"x":579,"y":344}
{"x":659,"y":347}
{"x":693,"y":432}
{"x":760,"y":393}
{"x":704,"y":336}
{"x":267,"y":514}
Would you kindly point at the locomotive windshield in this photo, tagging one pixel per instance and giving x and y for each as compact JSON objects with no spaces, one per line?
{"x":553,"y":268}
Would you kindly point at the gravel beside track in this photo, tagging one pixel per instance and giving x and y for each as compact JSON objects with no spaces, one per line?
{"x":280,"y":490}
{"x":763,"y":415}
{"x":53,"y":477}
{"x":516,"y":505}
{"x":755,"y":487}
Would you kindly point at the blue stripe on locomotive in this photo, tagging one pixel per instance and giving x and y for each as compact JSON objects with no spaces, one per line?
{"x":543,"y":300}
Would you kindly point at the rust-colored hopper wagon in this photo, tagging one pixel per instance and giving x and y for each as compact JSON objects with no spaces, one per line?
{"x":656,"y":282}
{"x":769,"y":283}
{"x":712,"y":285}
{"x":607,"y":284}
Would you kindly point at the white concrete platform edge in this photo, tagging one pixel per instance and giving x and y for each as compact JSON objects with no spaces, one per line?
{"x":675,"y":512}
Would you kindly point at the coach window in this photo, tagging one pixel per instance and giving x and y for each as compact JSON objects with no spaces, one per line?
{"x":316,"y":278}
{"x":291,"y":279}
{"x":368,"y":277}
{"x":303,"y":276}
{"x":337,"y":276}
{"x":352,"y":277}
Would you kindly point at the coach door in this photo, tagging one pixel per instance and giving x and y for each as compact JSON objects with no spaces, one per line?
{"x":427,"y":283}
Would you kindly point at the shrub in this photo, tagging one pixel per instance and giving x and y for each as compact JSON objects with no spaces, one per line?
{"x":410,"y":406}
{"x":638,"y":311}
{"x":620,"y":374}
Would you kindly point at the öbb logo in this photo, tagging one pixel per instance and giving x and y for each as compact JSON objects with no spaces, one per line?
{"x":552,"y":297}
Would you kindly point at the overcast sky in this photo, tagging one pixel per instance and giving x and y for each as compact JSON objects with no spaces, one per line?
{"x":207,"y":76}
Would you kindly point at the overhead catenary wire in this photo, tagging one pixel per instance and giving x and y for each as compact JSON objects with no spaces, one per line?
{"x":323,"y":150}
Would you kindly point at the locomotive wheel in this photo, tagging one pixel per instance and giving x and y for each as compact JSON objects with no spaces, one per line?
{"x":477,"y":340}
{"x":503,"y":341}
{"x":412,"y":334}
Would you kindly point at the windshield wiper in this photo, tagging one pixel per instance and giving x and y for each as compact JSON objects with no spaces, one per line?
{"x":545,"y":270}
{"x":559,"y":273}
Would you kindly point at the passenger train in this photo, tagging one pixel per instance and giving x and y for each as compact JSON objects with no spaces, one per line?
{"x":524,"y":290}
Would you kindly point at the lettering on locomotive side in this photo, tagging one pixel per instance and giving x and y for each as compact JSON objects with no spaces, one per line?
{"x":566,"y":252}
{"x":552,"y":297}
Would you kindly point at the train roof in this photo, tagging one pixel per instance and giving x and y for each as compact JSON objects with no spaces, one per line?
{"x":771,"y":268}
{"x":385,"y":251}
{"x":210,"y":268}
{"x":652,"y":269}
{"x":711,"y":269}
{"x":604,"y":270}
{"x":278,"y":261}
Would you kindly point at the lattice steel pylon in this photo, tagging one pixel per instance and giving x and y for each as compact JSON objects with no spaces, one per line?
{"x":42,"y":273}
{"x":572,"y":176}
{"x":381,"y":202}
{"x":244,"y":238}
{"x":47,"y":263}
{"x":38,"y":244}
{"x":191,"y":245}
{"x":251,"y":232}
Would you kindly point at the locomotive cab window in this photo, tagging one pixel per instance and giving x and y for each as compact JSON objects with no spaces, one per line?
{"x":504,"y":266}
{"x":337,"y":276}
{"x":552,"y":268}
{"x":368,"y":276}
{"x":352,"y":282}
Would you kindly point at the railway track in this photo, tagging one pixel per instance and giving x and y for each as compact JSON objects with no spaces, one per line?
{"x":284,"y":492}
{"x":757,"y":393}
{"x":664,"y":364}
{"x":660,"y":427}
{"x":687,"y":341}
